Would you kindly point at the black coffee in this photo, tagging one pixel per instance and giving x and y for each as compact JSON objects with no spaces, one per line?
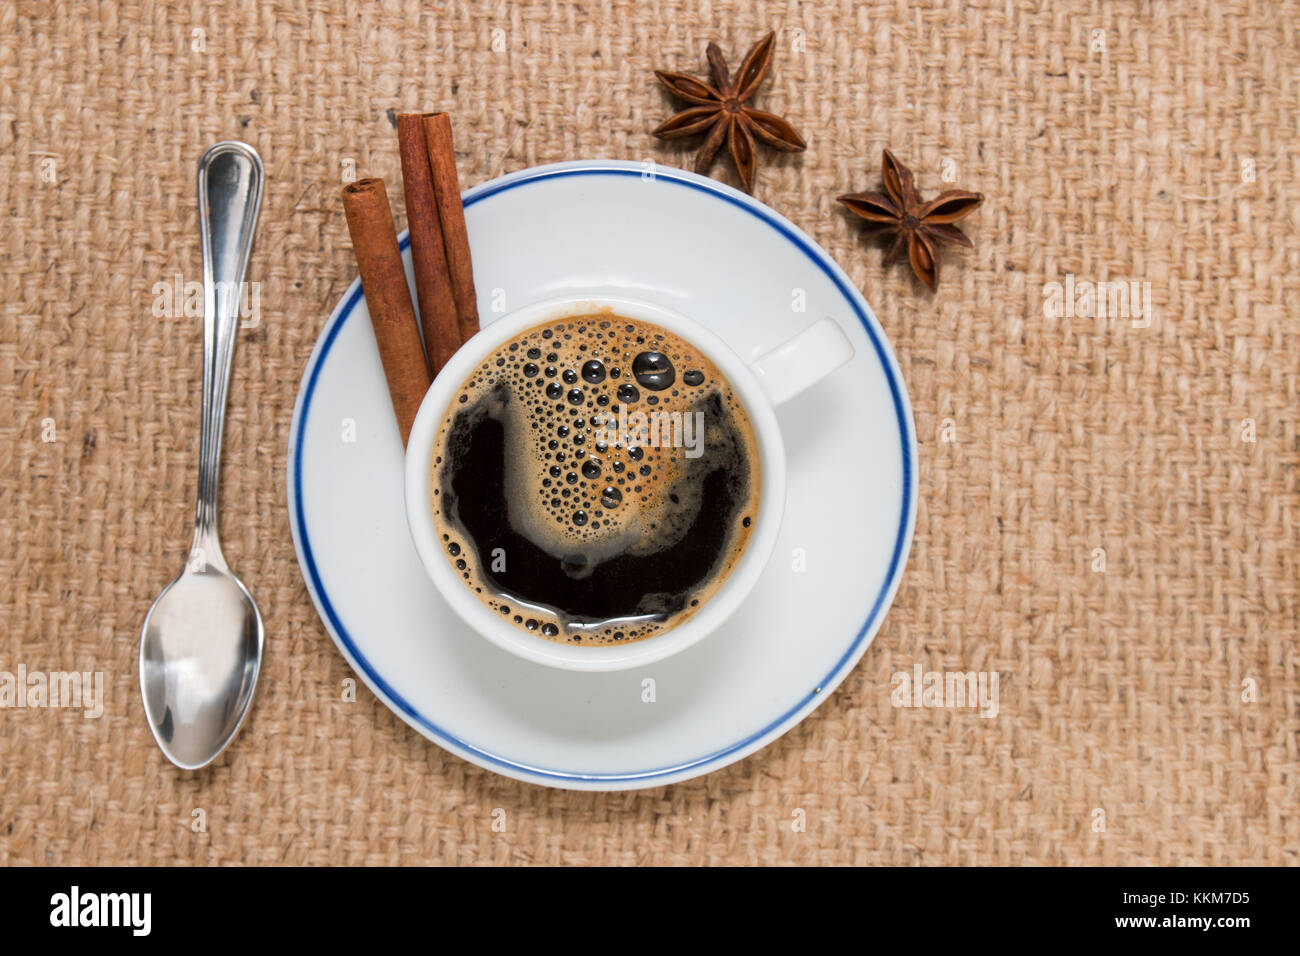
{"x":596,"y":480}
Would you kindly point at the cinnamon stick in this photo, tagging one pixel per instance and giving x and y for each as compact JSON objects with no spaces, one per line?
{"x":451,"y":215}
{"x":383,"y":279}
{"x":438,"y":316}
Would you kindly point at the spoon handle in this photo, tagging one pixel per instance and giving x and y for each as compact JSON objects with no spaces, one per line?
{"x":230,"y":193}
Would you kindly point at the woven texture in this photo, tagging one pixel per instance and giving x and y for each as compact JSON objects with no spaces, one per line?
{"x":1148,"y":711}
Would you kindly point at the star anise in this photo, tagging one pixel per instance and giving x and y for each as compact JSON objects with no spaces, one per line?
{"x":719,"y":110}
{"x":920,"y":226}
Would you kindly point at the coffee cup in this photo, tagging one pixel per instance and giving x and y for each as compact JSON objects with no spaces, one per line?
{"x":758,"y":386}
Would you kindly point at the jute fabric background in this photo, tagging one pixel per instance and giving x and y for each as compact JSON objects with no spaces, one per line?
{"x":1148,"y":707}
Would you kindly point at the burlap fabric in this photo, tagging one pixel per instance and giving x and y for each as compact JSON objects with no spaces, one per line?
{"x":1148,"y":711}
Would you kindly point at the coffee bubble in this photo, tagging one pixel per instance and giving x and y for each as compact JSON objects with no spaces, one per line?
{"x":654,"y":371}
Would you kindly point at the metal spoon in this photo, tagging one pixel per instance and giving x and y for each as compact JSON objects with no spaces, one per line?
{"x":202,"y":641}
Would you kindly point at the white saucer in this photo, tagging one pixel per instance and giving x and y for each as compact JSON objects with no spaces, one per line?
{"x":697,"y":246}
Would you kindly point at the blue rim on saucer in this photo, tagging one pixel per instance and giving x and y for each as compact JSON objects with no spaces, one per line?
{"x":792,"y":715}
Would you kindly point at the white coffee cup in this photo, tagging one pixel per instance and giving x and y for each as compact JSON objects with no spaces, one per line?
{"x":760,"y":385}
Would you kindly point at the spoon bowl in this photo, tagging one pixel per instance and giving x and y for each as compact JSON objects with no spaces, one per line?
{"x":199,"y":657}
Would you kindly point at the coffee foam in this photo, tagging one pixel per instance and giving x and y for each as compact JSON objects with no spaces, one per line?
{"x":574,"y":487}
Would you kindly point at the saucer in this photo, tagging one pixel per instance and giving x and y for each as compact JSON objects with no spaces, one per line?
{"x":703,"y":249}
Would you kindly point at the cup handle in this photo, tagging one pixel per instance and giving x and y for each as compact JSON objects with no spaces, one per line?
{"x":802,"y":361}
